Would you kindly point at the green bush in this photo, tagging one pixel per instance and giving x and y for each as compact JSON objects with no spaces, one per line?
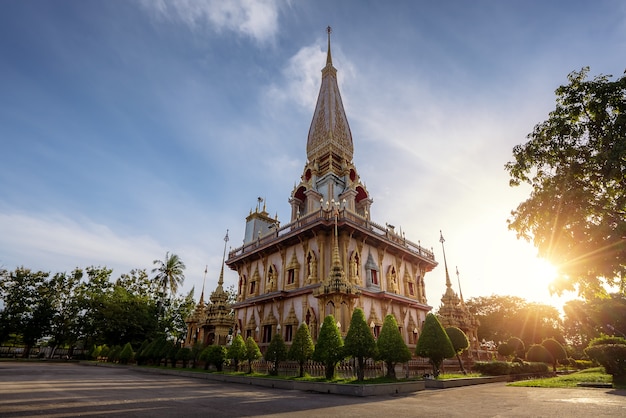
{"x":434,"y":344}
{"x":172,"y":350}
{"x":519,"y":349}
{"x":359,"y":342}
{"x":215,"y":355}
{"x":140,"y":354}
{"x":184,"y":355}
{"x":581,"y":364}
{"x":505,"y":350}
{"x":391,"y":347}
{"x":607,"y":339}
{"x":126,"y":354}
{"x":539,"y":353}
{"x":302,"y":347}
{"x":612,"y":357}
{"x":252,"y":352}
{"x":556,"y":350}
{"x":237,"y":351}
{"x":329,"y":347}
{"x":114,"y":354}
{"x":527,"y":367}
{"x":492,"y":368}
{"x":276,"y":352}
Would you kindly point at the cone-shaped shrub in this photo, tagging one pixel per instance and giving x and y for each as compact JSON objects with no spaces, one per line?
{"x":459,"y":342}
{"x":276,"y":352}
{"x":237,"y":351}
{"x":359,"y":342}
{"x":433,"y":343}
{"x":391,"y":347}
{"x":302,"y":347}
{"x":329,"y":346}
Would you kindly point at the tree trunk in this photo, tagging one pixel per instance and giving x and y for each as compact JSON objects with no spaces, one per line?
{"x":330,"y":371}
{"x":391,"y":370}
{"x":301,"y":369}
{"x":461,"y":364}
{"x":360,"y":373}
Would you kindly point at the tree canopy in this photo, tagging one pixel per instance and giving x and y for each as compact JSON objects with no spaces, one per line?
{"x":575,"y":163}
{"x":169,"y":273}
{"x":503,"y":317}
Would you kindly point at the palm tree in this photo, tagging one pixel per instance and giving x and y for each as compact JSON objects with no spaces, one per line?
{"x":169,"y":273}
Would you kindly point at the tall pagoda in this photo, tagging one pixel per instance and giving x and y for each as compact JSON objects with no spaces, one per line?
{"x":331,"y":257}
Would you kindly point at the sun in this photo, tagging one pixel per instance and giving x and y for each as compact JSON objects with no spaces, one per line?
{"x":544,"y":271}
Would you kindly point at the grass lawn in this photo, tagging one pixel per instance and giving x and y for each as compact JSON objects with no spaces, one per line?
{"x":595,"y":375}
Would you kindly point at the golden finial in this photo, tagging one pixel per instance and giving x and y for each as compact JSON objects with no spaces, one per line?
{"x":329,"y":60}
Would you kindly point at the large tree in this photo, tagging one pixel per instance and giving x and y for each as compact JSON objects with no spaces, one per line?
{"x":588,"y":319}
{"x":27,"y":305}
{"x":359,"y":342}
{"x":169,"y":273}
{"x":503,"y":317}
{"x":575,"y":162}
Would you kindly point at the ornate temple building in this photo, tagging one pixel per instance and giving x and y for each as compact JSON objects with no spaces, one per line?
{"x":331,"y":257}
{"x":454,"y":313}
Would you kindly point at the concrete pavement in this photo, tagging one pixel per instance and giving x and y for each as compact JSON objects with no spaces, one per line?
{"x":29,"y":389}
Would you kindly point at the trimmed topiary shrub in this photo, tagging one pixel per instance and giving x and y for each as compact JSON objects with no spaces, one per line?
{"x":556,"y":350}
{"x":126,"y":354}
{"x":276,"y":352}
{"x":434,"y":344}
{"x":252,"y":352}
{"x":302,"y":347}
{"x":237,"y":351}
{"x":114,"y":354}
{"x":506,"y":350}
{"x":519,"y":349}
{"x":538,"y":353}
{"x":492,"y":368}
{"x":610,"y":356}
{"x":184,"y":355}
{"x":329,"y":346}
{"x":525,"y":367}
{"x":359,"y":342}
{"x":391,"y":347}
{"x":459,"y":342}
{"x":215,"y":355}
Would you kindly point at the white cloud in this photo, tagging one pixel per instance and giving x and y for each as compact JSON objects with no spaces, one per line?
{"x":57,"y":243}
{"x":257,"y":19}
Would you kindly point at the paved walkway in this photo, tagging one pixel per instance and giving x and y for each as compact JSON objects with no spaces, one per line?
{"x":69,"y":389}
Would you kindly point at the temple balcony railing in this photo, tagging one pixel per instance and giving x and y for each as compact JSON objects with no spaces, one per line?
{"x":344,"y":216}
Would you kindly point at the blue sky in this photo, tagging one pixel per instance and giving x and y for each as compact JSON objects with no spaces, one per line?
{"x":132,"y":128}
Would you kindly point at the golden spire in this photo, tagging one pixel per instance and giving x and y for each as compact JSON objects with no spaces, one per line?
{"x":329,"y":143}
{"x":206,"y":268}
{"x":329,"y":59}
{"x":220,"y":282}
{"x":460,"y":291}
{"x":445,"y":263}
